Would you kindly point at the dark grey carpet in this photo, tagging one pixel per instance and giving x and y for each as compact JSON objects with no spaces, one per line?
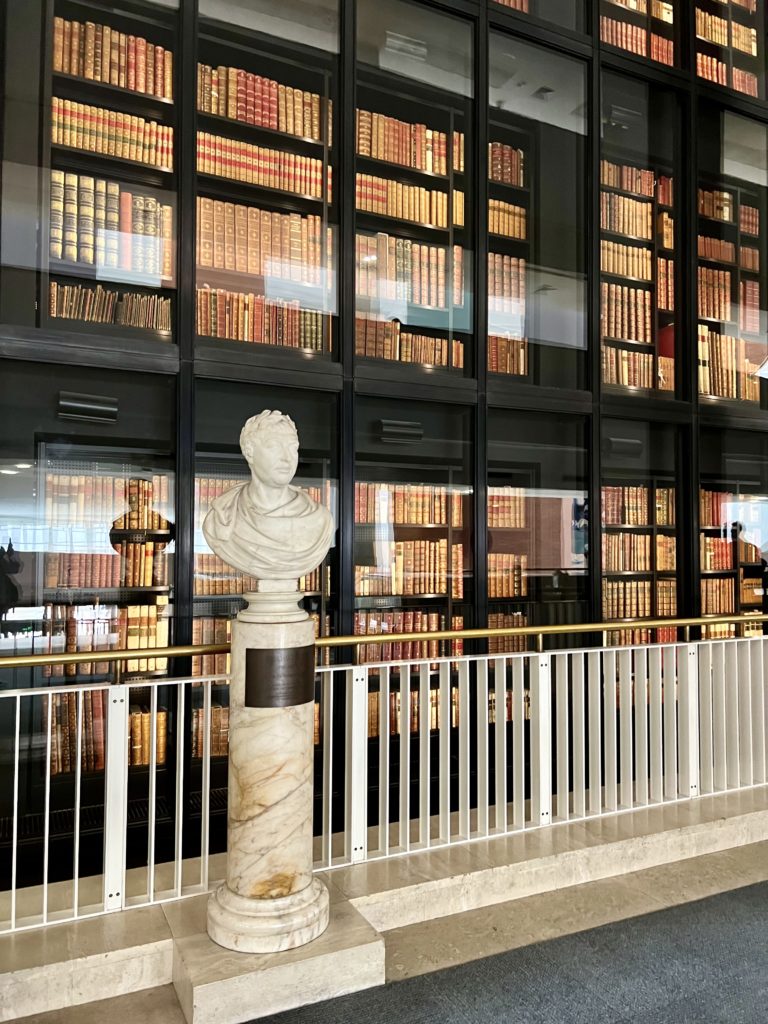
{"x":701,"y":963}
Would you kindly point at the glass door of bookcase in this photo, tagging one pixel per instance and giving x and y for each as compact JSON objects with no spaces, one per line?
{"x":88,"y":521}
{"x":413,"y":189}
{"x":639,"y":236}
{"x":536,"y":230}
{"x":266,"y":204}
{"x":648,"y":28}
{"x":640,"y":557}
{"x":732,"y":258}
{"x":730,"y":45}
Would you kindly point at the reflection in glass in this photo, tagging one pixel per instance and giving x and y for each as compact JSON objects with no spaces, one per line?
{"x":565,"y":13}
{"x":266,"y":206}
{"x":638,"y":245}
{"x":536,"y":258}
{"x":733,"y":175}
{"x":413,"y":186}
{"x":538,"y":521}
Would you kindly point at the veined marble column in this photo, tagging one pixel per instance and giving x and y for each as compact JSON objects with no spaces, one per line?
{"x":275,"y":533}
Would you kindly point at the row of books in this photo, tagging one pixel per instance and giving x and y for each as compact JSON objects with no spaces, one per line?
{"x":716,"y":204}
{"x":214,"y":577}
{"x":749,"y":258}
{"x":717,"y":249}
{"x":385,"y":197}
{"x":666,"y":598}
{"x":666,"y":230}
{"x":104,"y":224}
{"x":140,"y":735}
{"x":506,"y":219}
{"x":625,"y":505}
{"x":627,"y":599}
{"x":716,"y":553}
{"x":665,"y":190}
{"x":120,"y":502}
{"x":625,"y":216}
{"x":507,"y":575}
{"x":636,"y":369}
{"x":628,"y":178}
{"x":627,"y":552}
{"x":717,"y":597}
{"x":100,"y":53}
{"x":134,"y":566}
{"x":408,"y":144}
{"x":714,"y":507}
{"x":258,"y":165}
{"x":665,"y":284}
{"x":626,"y":260}
{"x":119,"y":307}
{"x":414,"y":620}
{"x":506,"y":284}
{"x":111,"y":133}
{"x":218,"y":731}
{"x":634,"y":38}
{"x":724,"y":367}
{"x":751,"y":593}
{"x":665,"y":506}
{"x":714,"y":70}
{"x":506,"y":507}
{"x":386,"y":339}
{"x":628,"y":637}
{"x":666,"y":553}
{"x":237,"y":316}
{"x":711,"y":27}
{"x":744,"y":38}
{"x":515,"y":5}
{"x":387,"y":267}
{"x":749,"y":220}
{"x":506,"y":164}
{"x":248,"y":240}
{"x":408,"y":504}
{"x":507,"y":644}
{"x":625,"y":313}
{"x":411,"y":568}
{"x":210,"y":629}
{"x":241,"y":95}
{"x":714,"y":293}
{"x":749,"y":306}
{"x":84,"y":628}
{"x":507,"y":354}
{"x":64,"y":715}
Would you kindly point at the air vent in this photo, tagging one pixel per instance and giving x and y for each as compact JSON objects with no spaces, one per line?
{"x":400,"y":431}
{"x":73,"y":405}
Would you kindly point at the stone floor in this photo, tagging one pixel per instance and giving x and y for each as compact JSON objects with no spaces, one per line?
{"x":447,"y":942}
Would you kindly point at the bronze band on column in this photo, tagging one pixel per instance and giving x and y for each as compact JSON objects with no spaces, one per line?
{"x":279,"y":677}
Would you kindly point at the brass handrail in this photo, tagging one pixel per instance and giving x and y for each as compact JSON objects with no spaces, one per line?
{"x":81,"y":657}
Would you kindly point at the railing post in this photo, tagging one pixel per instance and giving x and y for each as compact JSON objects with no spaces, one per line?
{"x":115,"y":796}
{"x":688,"y":720}
{"x":356,"y":824}
{"x":541,"y":740}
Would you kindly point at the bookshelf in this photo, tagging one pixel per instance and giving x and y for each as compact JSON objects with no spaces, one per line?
{"x":732,"y":341}
{"x":568,"y":14}
{"x":730,"y":44}
{"x":412,"y":202}
{"x":265,"y":249}
{"x":108,"y":203}
{"x":647,"y":28}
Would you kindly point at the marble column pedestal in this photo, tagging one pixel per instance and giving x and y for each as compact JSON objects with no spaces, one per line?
{"x":270,"y":900}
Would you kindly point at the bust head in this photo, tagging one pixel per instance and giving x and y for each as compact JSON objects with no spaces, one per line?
{"x":270,"y":444}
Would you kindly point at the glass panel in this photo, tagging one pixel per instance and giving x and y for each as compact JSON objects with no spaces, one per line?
{"x":538,"y":523}
{"x":536,"y":258}
{"x":565,"y":13}
{"x":639,"y":244}
{"x":733,"y":528}
{"x":88,"y":156}
{"x":730,"y":44}
{"x":413,"y":189}
{"x":87,"y":520}
{"x":266,"y":210}
{"x":733,"y":175}
{"x":640,"y":558}
{"x":645,"y":27}
{"x":221,"y":410}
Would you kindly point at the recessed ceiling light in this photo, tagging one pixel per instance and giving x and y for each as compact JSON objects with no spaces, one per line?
{"x":9,"y":472}
{"x":23,"y":465}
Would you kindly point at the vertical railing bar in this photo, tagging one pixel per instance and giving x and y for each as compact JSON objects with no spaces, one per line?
{"x":152,"y":795}
{"x":444,"y":768}
{"x":356,"y":762}
{"x":15,"y":836}
{"x":733,"y":760}
{"x":706,"y":756}
{"x":326,"y":697}
{"x":688,"y":716}
{"x":481,"y":766}
{"x":518,"y":740}
{"x":595,"y":732}
{"x":47,"y":819}
{"x":579,"y":735}
{"x":404,"y":837}
{"x":625,"y":729}
{"x":464,"y":751}
{"x":541,"y":740}
{"x":500,"y":745}
{"x":205,"y":810}
{"x":178,"y":838}
{"x":758,"y":710}
{"x":719,"y":731}
{"x":609,"y":729}
{"x":79,"y":697}
{"x":640,"y":696}
{"x":562,"y":744}
{"x":384,"y":744}
{"x":424,"y":725}
{"x":743,"y":661}
{"x":655,"y":742}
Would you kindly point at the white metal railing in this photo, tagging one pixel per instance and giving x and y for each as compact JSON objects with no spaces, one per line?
{"x":416,"y":755}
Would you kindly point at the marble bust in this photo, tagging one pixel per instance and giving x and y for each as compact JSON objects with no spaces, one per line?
{"x":266,"y":527}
